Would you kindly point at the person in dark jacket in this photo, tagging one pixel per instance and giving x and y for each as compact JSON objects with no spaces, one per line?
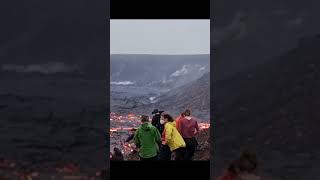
{"x":117,"y":155}
{"x":156,"y":120}
{"x":131,"y":135}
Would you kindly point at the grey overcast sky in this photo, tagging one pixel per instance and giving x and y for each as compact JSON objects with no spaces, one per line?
{"x":160,"y":36}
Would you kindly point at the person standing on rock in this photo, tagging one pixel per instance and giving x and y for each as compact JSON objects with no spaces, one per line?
{"x":189,"y":128}
{"x":156,"y":120}
{"x":131,"y":135}
{"x":117,"y":155}
{"x":147,"y":138}
{"x":172,"y":141}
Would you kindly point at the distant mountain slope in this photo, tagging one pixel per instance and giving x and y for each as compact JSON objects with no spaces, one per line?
{"x":273,"y":109}
{"x":166,"y":71}
{"x":194,"y":95}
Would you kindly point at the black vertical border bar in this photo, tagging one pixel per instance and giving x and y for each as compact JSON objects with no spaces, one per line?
{"x":212,"y":114}
{"x":107,"y":22}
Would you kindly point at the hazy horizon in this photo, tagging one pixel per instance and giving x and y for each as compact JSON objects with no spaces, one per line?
{"x":160,"y":37}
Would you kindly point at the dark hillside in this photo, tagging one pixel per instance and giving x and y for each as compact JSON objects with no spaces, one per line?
{"x":273,"y":109}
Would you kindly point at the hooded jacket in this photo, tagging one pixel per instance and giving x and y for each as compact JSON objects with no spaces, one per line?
{"x":172,"y":136}
{"x":147,"y":138}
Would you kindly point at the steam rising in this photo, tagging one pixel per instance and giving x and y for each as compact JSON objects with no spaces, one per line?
{"x":122,"y":83}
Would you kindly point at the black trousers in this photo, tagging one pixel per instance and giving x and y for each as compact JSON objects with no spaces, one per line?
{"x":179,"y":154}
{"x":149,"y":159}
{"x":191,"y":145}
{"x":165,"y":153}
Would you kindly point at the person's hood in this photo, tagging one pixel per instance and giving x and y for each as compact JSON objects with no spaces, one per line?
{"x":172,"y":123}
{"x":146,"y":126}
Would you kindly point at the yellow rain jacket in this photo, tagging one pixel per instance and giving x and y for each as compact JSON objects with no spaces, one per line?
{"x":172,"y":136}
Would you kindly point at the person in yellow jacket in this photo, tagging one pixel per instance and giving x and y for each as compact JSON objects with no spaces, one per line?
{"x":172,"y":141}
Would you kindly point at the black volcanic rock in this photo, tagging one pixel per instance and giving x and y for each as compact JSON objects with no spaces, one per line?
{"x":272,"y":108}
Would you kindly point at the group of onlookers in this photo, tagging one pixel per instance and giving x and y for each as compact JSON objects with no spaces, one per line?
{"x":165,"y":136}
